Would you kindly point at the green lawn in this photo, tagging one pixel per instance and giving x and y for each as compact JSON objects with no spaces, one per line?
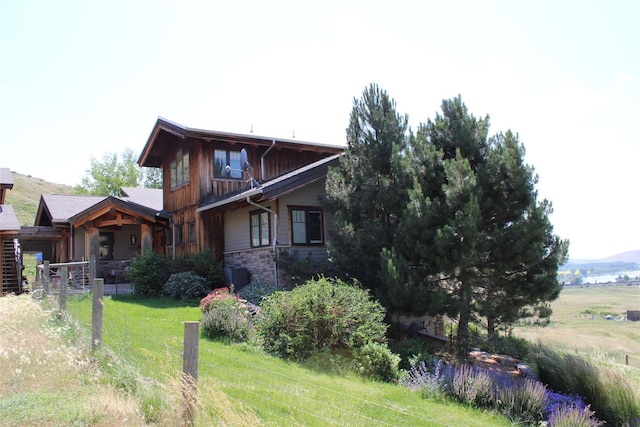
{"x":148,"y":334}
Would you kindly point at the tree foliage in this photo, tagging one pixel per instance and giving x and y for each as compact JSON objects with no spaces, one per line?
{"x":367,"y":191}
{"x":106,"y":177}
{"x":444,"y":222}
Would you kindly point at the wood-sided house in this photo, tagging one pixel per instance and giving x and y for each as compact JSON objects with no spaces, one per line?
{"x":112,"y":229}
{"x":241,"y":196}
{"x":10,"y":266}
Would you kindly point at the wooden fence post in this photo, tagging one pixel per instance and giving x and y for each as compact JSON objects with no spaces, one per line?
{"x":92,"y":268}
{"x":64,"y":276}
{"x":46,"y":278}
{"x":96,"y":314}
{"x":626,"y":359}
{"x":190,"y":367}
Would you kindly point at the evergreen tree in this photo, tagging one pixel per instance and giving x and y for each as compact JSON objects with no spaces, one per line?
{"x":473,"y":240}
{"x":367,"y":192}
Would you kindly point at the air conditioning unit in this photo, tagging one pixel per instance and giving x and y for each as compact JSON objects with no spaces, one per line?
{"x":238,"y":276}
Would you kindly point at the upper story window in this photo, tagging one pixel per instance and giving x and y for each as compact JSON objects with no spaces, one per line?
{"x":307,"y":227}
{"x":180,"y":168}
{"x":224,"y":158}
{"x":260,"y":229}
{"x":191,"y":232}
{"x":179,"y":235}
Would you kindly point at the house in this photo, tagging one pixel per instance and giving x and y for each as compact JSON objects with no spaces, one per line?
{"x":241,"y":196}
{"x":111,"y":229}
{"x":10,"y":260}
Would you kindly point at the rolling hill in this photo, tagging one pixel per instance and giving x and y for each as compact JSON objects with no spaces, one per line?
{"x":25,"y":195}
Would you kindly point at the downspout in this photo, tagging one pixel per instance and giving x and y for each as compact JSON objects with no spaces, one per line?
{"x":273,"y":144}
{"x":275,"y":233}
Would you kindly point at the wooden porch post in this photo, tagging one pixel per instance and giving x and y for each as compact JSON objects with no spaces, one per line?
{"x":94,"y":246}
{"x":146,"y":238}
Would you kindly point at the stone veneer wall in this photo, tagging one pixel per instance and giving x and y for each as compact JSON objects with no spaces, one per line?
{"x":259,"y":263}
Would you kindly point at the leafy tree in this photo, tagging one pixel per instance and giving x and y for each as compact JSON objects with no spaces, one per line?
{"x":473,"y":240}
{"x":367,"y":192}
{"x":151,"y":177}
{"x":106,"y":177}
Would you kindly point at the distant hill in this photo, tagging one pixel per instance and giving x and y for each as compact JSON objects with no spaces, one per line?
{"x":631,"y":256}
{"x":25,"y":195}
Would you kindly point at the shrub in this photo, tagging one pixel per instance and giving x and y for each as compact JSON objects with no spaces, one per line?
{"x":320,"y":315}
{"x":217,"y":294}
{"x":515,"y":347}
{"x":522,"y":401}
{"x":148,"y":273}
{"x":204,"y":265}
{"x":376,"y":361}
{"x":608,"y":392}
{"x":186,"y":285}
{"x":411,"y":351}
{"x":227,"y":317}
{"x":255,"y":291}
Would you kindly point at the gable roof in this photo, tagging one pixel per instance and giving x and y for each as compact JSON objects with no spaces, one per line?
{"x":164,"y":130}
{"x":278,"y":187}
{"x":8,"y":219}
{"x":58,"y":208}
{"x":68,"y":208}
{"x":111,"y":203}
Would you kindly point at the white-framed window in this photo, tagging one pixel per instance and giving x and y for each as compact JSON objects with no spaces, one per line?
{"x":307,"y":226}
{"x":180,"y":168}
{"x":224,"y":158}
{"x":260,"y":228}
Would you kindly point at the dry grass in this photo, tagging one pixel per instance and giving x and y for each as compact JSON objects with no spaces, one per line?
{"x":45,"y":381}
{"x":48,"y":379}
{"x":578,"y":324}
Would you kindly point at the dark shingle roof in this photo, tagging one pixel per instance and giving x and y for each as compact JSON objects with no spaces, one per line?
{"x":148,"y":197}
{"x":8,"y":219}
{"x":61,"y":207}
{"x":6,"y":179}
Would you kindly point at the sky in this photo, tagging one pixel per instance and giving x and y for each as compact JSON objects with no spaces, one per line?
{"x":81,"y":79}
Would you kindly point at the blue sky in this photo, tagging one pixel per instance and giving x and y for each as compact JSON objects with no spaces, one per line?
{"x":79,"y":79}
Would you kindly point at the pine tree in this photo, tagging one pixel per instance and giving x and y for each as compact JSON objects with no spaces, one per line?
{"x":473,"y":240}
{"x":367,"y":192}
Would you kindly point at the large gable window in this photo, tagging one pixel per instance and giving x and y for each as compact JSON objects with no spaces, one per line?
{"x":224,"y":158}
{"x":260,"y":229}
{"x":307,"y":226}
{"x":180,"y":168}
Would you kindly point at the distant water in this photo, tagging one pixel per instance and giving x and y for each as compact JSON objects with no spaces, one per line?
{"x":606,"y":278}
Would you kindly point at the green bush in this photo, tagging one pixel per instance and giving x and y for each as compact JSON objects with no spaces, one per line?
{"x":255,"y":291}
{"x":320,"y":315}
{"x":148,"y":273}
{"x":204,"y":265}
{"x":376,"y":361}
{"x":515,"y":347}
{"x":186,"y":285}
{"x":227,"y":318}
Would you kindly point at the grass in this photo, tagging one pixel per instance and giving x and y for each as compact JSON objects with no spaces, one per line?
{"x":573,"y":327}
{"x":147,"y":335}
{"x":46,"y":381}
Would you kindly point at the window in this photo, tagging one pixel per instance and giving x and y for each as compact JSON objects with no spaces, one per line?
{"x":179,"y":235}
{"x":260,"y":229}
{"x":180,"y":169}
{"x":221,"y":159}
{"x":191,"y":232}
{"x":306,"y":226}
{"x":106,"y":245}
